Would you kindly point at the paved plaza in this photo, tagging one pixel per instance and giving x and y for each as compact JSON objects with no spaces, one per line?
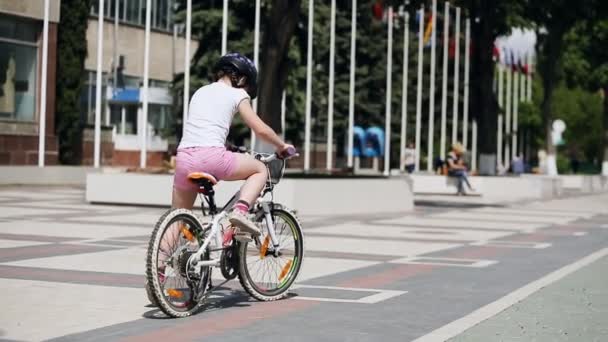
{"x":451,"y":270}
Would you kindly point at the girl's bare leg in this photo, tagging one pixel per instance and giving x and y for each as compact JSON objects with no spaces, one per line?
{"x":255,"y":175}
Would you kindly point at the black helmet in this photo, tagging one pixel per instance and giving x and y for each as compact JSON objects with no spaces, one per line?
{"x":244,"y":67}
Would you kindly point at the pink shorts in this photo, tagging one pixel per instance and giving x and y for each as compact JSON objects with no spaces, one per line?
{"x":216,"y":161}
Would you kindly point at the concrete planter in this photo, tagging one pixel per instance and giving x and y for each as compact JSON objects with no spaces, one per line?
{"x":495,"y":188}
{"x":585,"y":183}
{"x":48,"y":175}
{"x":339,"y":196}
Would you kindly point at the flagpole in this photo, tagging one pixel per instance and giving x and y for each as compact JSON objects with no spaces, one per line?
{"x":429,"y":164}
{"x":45,"y":57}
{"x":419,"y":87}
{"x":256,"y":60}
{"x":351,"y":84}
{"x":474,"y":149}
{"x":456,"y":77}
{"x":307,"y":123}
{"x":465,"y":97}
{"x":499,"y":146}
{"x":508,"y":101}
{"x":187,"y":65}
{"x":444,"y":92}
{"x":389,"y":86}
{"x":283,"y":124}
{"x":529,"y":76}
{"x":98,"y":85}
{"x":330,"y":95}
{"x":144,"y":125}
{"x":225,"y":27}
{"x":404,"y":81}
{"x":515,"y":114}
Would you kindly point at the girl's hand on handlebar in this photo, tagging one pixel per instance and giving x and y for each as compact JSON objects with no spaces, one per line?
{"x":286,"y":151}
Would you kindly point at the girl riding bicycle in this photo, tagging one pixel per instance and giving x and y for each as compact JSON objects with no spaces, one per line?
{"x":202,"y":148}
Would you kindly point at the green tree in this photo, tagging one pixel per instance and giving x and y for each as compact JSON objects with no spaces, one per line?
{"x":554,"y":20}
{"x":586,"y":65}
{"x":71,"y":54}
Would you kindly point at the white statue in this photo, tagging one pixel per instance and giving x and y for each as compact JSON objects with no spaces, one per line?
{"x":7,"y":101}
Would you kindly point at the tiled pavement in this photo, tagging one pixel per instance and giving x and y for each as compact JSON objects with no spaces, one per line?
{"x":74,"y":271}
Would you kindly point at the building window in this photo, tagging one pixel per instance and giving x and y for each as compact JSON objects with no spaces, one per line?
{"x":134,"y":12}
{"x":18,"y":68}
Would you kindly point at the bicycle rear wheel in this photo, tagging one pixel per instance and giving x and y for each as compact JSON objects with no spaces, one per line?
{"x":173,"y":286}
{"x":265,"y":275}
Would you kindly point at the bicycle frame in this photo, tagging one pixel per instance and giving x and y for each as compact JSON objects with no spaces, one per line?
{"x":215,"y":226}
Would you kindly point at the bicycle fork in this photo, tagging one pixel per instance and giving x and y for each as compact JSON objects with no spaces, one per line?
{"x":270,"y":227}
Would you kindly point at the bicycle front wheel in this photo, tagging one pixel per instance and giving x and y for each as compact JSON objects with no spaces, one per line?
{"x":266,"y":274}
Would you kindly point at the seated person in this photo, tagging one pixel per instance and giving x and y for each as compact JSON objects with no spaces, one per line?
{"x":457,"y":168}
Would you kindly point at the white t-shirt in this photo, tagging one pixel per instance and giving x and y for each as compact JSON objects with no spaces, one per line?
{"x":210,"y":114}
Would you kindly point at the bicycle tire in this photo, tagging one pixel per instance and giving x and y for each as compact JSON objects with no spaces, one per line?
{"x":245,"y":278}
{"x":156,"y":290}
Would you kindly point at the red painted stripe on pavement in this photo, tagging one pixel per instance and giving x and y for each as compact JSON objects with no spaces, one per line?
{"x":196,"y":329}
{"x":398,"y":272}
{"x":74,"y":277}
{"x":45,"y":251}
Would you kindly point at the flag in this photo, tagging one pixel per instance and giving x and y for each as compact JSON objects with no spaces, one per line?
{"x":513,"y":64}
{"x":522,"y":68}
{"x":526,"y":67}
{"x":428,"y":31}
{"x":378,"y":10}
{"x":452,"y":48}
{"x":496,"y":54}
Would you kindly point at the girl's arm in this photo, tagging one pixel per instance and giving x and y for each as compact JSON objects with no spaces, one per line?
{"x":260,"y":128}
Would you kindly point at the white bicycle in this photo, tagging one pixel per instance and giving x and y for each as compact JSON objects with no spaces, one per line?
{"x":183,"y":249}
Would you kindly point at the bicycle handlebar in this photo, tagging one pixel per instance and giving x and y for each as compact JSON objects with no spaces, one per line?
{"x":287,"y":154}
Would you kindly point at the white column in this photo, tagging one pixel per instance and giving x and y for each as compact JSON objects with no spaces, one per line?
{"x":465,"y":97}
{"x":389,"y":85}
{"x":144,"y":121}
{"x":256,"y":60}
{"x":456,"y":78}
{"x":225,"y":27}
{"x":187,"y":65}
{"x":404,"y":80}
{"x":45,"y":57}
{"x":123,"y":120}
{"x":307,"y":123}
{"x":429,"y":164}
{"x":419,"y":88}
{"x":330,"y":95}
{"x":508,"y":101}
{"x":515,"y":114}
{"x":351,"y":84}
{"x":107,"y":111}
{"x":474,"y":149}
{"x":444,"y":91}
{"x":98,"y":85}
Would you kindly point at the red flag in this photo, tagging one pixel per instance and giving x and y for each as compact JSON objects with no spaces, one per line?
{"x":378,"y":10}
{"x":452,"y":48}
{"x":495,"y":54}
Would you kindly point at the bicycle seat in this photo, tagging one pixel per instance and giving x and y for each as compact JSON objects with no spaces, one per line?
{"x":204,"y":180}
